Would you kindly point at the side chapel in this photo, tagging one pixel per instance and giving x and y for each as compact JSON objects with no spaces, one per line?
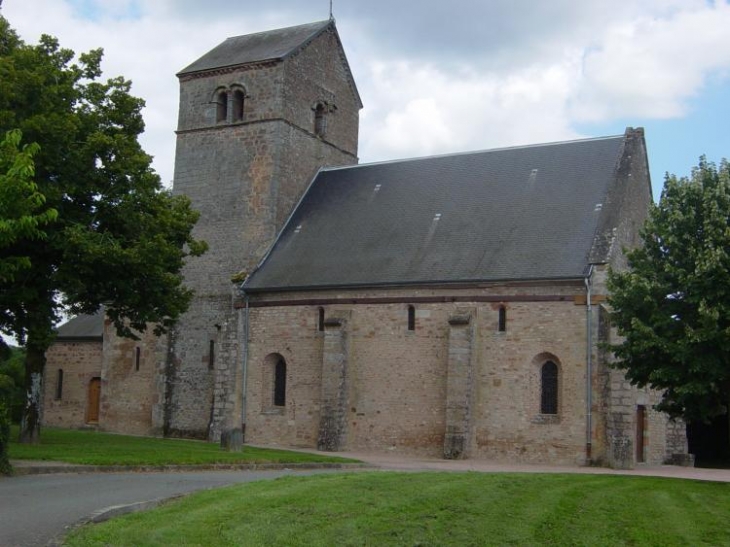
{"x":448,"y":306}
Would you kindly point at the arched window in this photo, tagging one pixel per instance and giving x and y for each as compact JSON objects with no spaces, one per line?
{"x":411,"y":318}
{"x":238,"y":97}
{"x":137,"y":356}
{"x":221,"y":106}
{"x":320,"y":320}
{"x":549,"y":388}
{"x":280,"y":382}
{"x":502,"y":321}
{"x":320,"y":124}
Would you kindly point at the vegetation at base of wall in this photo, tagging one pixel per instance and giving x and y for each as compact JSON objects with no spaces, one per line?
{"x":433,"y":509}
{"x":5,"y":467}
{"x":96,"y":448}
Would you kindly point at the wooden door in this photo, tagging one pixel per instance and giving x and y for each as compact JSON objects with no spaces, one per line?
{"x":92,"y":410}
{"x":640,"y":432}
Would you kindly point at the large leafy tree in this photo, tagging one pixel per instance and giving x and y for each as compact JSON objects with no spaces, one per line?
{"x":119,"y":239}
{"x":672,"y":306}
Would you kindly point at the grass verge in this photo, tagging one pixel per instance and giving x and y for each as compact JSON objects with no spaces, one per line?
{"x":96,"y":448}
{"x":441,"y":509}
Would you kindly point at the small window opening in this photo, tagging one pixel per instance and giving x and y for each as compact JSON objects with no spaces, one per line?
{"x":319,"y":120}
{"x":502,"y":322}
{"x":640,"y":433}
{"x":411,"y":318}
{"x":549,"y":388}
{"x":137,"y":354}
{"x":280,"y":383}
{"x":238,"y":105}
{"x":320,"y":320}
{"x":59,"y":384}
{"x":211,"y":355}
{"x":222,"y":108}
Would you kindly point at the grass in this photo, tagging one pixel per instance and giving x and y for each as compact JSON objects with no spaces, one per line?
{"x":433,"y":509}
{"x":95,"y":448}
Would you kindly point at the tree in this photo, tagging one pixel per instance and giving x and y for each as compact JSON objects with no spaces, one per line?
{"x":672,"y":305}
{"x":119,"y":238}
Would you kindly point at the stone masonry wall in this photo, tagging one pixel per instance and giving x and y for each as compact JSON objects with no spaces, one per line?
{"x":80,"y":362}
{"x":397,"y":392}
{"x":129,"y":392}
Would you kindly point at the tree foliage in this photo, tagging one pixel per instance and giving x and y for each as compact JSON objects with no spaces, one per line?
{"x":22,"y":215}
{"x":673,"y":304}
{"x":118,"y":237}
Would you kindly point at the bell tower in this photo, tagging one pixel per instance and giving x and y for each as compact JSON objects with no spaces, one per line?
{"x":259,"y":115}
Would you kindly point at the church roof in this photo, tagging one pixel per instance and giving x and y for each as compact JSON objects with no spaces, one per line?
{"x":261,"y":46}
{"x":523,"y":213}
{"x":82,"y":327}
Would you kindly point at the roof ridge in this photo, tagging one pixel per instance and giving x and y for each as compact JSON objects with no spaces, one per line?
{"x":313,"y":23}
{"x":473,"y":152}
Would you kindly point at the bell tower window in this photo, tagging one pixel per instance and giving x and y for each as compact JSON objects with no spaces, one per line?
{"x":221,"y":106}
{"x":238,"y":97}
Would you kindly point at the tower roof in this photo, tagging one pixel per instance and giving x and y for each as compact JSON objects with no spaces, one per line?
{"x":262,"y":46}
{"x":523,"y":213}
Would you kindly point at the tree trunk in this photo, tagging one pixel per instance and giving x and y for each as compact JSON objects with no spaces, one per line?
{"x":30,"y":424}
{"x":5,"y":467}
{"x":727,"y":446}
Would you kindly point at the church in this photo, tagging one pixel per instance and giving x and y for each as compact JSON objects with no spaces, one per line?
{"x":449,"y":306}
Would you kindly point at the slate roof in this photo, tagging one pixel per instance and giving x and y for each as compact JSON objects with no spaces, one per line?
{"x":520,"y":213}
{"x":83,"y":327}
{"x":261,"y":46}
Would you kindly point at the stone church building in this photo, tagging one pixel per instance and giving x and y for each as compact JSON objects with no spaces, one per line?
{"x":449,"y":306}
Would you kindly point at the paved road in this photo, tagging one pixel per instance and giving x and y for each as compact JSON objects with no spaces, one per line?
{"x":35,"y":509}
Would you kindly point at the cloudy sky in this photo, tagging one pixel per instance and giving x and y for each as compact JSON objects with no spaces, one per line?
{"x":447,"y":76}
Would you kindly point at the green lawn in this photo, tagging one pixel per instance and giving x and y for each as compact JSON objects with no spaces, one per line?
{"x":94,"y":448}
{"x":424,"y":509}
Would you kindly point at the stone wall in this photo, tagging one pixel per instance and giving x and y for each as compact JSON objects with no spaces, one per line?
{"x":130,"y":394}
{"x":80,"y":361}
{"x":398,"y":379}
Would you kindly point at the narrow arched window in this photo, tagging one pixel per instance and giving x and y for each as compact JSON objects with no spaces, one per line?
{"x":411,"y":318}
{"x":280,"y":383}
{"x":221,"y":106}
{"x":549,"y":388}
{"x":502,"y":321}
{"x":211,"y":355}
{"x":59,"y":384}
{"x":319,"y":120}
{"x":320,"y":320}
{"x":238,"y":97}
{"x":137,"y":356}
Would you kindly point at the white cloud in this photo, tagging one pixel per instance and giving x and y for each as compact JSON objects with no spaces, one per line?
{"x":650,"y":67}
{"x":491,"y":74}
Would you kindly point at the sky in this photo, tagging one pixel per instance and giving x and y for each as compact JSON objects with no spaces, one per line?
{"x":438,"y":77}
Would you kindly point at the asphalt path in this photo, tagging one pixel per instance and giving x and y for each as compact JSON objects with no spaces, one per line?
{"x":39,"y":509}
